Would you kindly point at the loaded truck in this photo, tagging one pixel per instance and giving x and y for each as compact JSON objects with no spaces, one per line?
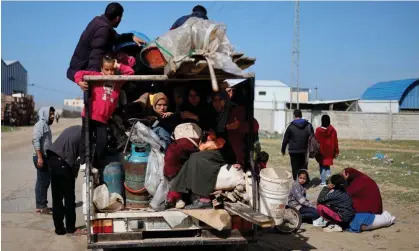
{"x":134,"y":228}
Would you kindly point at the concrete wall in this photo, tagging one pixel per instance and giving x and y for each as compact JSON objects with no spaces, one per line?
{"x":361,"y":125}
{"x":379,"y":105}
{"x":350,"y":125}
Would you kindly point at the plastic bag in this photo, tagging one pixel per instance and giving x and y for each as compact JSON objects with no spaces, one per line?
{"x":106,"y":202}
{"x":229,"y":177}
{"x":142,"y":133}
{"x":199,"y":34}
{"x":154,"y":173}
{"x":161,"y":193}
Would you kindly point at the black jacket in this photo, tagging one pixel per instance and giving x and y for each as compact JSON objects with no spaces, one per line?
{"x":96,"y":40}
{"x":339,"y":201}
{"x":183,"y":19}
{"x":68,"y":145}
{"x":296,"y":136}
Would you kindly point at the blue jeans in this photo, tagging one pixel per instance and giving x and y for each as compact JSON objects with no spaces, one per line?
{"x":309,"y":213}
{"x":42,"y":183}
{"x":324,"y":173}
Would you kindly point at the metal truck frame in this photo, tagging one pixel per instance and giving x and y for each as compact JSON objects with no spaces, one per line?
{"x":134,"y":229}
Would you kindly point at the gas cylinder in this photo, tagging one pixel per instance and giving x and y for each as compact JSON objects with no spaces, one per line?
{"x":135,"y":168}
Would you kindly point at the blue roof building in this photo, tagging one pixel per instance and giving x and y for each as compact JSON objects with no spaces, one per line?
{"x":406,"y":92}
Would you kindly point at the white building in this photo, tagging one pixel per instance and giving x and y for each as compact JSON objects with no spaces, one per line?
{"x":76,"y":102}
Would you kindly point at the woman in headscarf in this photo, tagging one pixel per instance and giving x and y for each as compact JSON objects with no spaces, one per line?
{"x":199,"y":173}
{"x":194,"y":110}
{"x":163,"y":122}
{"x":364,"y":192}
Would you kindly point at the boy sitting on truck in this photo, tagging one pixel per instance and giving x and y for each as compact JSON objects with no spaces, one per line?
{"x":104,"y":100}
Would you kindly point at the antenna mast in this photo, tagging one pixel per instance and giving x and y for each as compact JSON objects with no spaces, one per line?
{"x":295,"y":66}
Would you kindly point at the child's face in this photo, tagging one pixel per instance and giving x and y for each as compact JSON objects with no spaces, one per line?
{"x":302,"y":178}
{"x":108,"y":68}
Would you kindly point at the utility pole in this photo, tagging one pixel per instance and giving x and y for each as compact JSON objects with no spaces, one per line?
{"x":317,"y":88}
{"x":295,"y":66}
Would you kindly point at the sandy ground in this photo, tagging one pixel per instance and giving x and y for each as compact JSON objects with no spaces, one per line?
{"x":22,"y":229}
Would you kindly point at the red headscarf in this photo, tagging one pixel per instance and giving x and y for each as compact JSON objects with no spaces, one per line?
{"x":364,"y":192}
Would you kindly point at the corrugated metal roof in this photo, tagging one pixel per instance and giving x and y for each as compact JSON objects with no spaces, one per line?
{"x":391,"y":90}
{"x":411,"y":99}
{"x":9,"y":62}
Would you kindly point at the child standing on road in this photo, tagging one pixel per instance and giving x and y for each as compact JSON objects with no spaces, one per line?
{"x":329,"y":148}
{"x":335,"y":205}
{"x":104,"y":99}
{"x":297,"y":198}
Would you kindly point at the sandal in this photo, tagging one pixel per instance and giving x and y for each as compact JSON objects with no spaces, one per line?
{"x":79,"y":232}
{"x":44,"y":210}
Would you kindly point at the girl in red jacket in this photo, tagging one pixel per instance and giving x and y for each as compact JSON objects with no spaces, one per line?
{"x":329,"y":149}
{"x":104,"y":99}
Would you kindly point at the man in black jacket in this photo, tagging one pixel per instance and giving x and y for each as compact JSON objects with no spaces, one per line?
{"x":296,"y":137}
{"x":63,"y":165}
{"x":198,"y":11}
{"x":97,"y":40}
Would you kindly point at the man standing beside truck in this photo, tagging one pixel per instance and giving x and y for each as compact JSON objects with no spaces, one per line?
{"x":42,"y":140}
{"x":97,"y":40}
{"x":64,"y":164}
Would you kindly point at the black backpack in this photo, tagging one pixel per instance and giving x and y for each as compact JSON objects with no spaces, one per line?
{"x":313,"y":145}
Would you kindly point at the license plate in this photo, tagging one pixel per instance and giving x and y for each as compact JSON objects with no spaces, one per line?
{"x":160,"y":223}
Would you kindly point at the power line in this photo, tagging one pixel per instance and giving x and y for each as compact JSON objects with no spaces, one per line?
{"x":53,"y":90}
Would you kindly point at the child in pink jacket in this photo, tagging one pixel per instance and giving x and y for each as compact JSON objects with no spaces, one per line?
{"x":104,"y":100}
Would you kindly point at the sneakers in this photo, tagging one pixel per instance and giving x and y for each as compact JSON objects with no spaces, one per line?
{"x":332,"y":228}
{"x":320,"y":222}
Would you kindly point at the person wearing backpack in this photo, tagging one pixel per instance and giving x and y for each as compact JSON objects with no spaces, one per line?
{"x":297,"y":137}
{"x":329,"y":148}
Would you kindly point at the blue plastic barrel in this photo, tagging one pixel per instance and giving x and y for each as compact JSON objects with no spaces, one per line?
{"x":113,"y":176}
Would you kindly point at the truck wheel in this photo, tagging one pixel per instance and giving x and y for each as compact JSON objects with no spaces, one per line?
{"x":292,"y":221}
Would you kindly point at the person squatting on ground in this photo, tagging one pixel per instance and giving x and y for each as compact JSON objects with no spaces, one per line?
{"x":335,"y":205}
{"x":296,"y":138}
{"x":104,"y":99}
{"x":64,"y":166}
{"x":329,"y":148}
{"x":41,"y":141}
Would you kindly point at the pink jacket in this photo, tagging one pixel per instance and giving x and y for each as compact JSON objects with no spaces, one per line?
{"x":105,"y":95}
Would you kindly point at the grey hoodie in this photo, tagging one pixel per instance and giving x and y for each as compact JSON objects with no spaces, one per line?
{"x":42,"y":136}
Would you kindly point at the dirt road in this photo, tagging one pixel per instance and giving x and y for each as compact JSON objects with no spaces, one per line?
{"x":22,"y":229}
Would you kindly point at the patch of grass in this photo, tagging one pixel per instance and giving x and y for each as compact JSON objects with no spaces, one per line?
{"x":402,"y":197}
{"x":405,"y":160}
{"x":8,"y":129}
{"x":400,"y":176}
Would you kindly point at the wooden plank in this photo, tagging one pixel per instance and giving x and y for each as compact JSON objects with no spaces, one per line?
{"x":199,"y":66}
{"x":217,"y":218}
{"x":247,"y":213}
{"x":237,"y":55}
